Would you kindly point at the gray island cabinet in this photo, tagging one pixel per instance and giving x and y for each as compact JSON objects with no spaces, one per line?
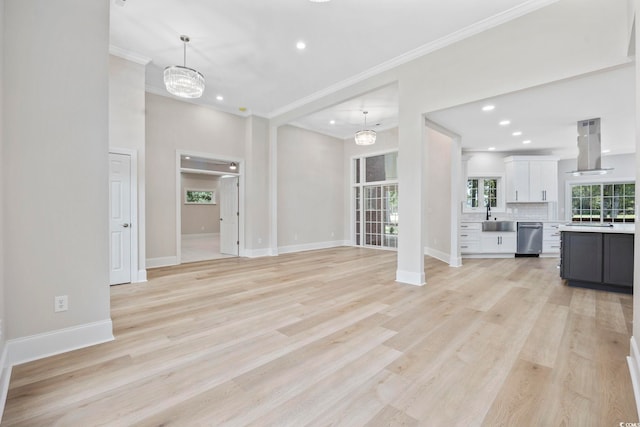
{"x":598,"y":258}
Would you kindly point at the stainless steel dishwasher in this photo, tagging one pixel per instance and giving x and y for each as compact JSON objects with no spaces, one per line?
{"x":529,"y":238}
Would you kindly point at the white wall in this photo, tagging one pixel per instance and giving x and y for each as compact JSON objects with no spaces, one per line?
{"x":2,"y":198}
{"x":438,"y":195}
{"x":55,"y":157}
{"x":484,"y":164}
{"x":127,"y":128}
{"x":175,"y":125}
{"x":310,"y":189}
{"x":624,"y":168}
{"x":200,"y":219}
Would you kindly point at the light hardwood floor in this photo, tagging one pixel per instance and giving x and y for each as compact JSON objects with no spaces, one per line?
{"x":329,"y":338}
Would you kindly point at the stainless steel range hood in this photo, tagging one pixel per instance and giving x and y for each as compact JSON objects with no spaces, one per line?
{"x":589,"y":151}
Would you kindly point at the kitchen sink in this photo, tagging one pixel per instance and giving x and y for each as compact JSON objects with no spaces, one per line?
{"x":498,"y":226}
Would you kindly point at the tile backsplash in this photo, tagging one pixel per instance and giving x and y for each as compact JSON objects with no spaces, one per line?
{"x":519,"y":211}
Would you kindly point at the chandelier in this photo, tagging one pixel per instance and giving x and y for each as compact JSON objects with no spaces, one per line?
{"x":365,"y":136}
{"x":183,"y":81}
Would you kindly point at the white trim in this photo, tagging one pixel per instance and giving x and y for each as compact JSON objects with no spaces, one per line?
{"x":410,"y":278}
{"x":423,"y":50}
{"x":142,"y":276}
{"x":213,"y":235}
{"x":633,"y":360}
{"x":488,"y":255}
{"x":312,"y":246}
{"x":4,"y":380}
{"x":273,"y":190}
{"x":128,"y":55}
{"x":135,"y":223}
{"x":34,"y":347}
{"x":589,"y":180}
{"x":455,"y":261}
{"x":434,"y":253}
{"x":162,"y":261}
{"x":257,"y":253}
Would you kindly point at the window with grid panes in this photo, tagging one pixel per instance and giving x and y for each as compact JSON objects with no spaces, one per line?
{"x":603,"y":202}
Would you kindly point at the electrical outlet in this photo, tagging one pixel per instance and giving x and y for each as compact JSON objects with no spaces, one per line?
{"x":60,"y":303}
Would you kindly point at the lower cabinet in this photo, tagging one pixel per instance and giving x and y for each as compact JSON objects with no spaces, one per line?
{"x":598,"y":260}
{"x":498,"y":243}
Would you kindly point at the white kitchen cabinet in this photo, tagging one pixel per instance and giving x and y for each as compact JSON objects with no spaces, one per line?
{"x":551,"y":238}
{"x":497,"y":242}
{"x":469,"y":236}
{"x":531,"y":179}
{"x":517,"y":181}
{"x":543,"y":181}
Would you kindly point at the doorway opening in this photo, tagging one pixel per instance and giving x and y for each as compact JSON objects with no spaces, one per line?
{"x":208,"y":210}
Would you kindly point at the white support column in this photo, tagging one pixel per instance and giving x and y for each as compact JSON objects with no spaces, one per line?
{"x":411,"y":146}
{"x":273,"y":190}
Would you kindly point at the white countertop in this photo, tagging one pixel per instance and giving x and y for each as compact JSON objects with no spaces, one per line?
{"x":617,"y":228}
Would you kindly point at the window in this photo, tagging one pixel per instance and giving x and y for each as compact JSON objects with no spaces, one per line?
{"x":376,"y":200}
{"x":481,"y":190}
{"x":604,"y":202}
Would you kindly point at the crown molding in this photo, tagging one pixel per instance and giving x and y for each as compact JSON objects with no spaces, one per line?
{"x":129,"y":56}
{"x":423,"y":50}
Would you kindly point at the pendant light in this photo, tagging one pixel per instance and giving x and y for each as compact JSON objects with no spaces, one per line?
{"x":365,"y":136}
{"x":183,"y":81}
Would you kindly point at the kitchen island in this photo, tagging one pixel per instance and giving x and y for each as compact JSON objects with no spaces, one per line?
{"x":598,"y":256}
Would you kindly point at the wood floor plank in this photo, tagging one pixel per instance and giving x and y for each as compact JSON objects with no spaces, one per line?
{"x":329,"y":337}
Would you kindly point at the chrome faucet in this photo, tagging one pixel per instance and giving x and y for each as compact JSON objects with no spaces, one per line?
{"x":488,"y":211}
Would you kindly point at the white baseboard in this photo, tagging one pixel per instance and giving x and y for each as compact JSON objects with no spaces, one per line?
{"x":142,"y":276}
{"x":434,"y":253}
{"x":634,"y":369}
{"x":200,"y":235}
{"x":162,"y":261}
{"x":26,"y":349}
{"x":455,"y":261}
{"x":410,"y":278}
{"x":480,"y":256}
{"x":312,"y":246}
{"x":257,"y":253}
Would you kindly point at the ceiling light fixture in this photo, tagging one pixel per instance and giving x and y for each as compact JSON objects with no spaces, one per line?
{"x":492,"y":148}
{"x":220,"y":98}
{"x":301,"y":45}
{"x":233,"y":166}
{"x":332,"y":122}
{"x":488,"y":108}
{"x":517,"y":133}
{"x":526,"y":141}
{"x":365,"y":136}
{"x":505,"y":122}
{"x":183,"y":81}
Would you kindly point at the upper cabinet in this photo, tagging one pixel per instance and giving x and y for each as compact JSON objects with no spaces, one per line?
{"x":531,"y":179}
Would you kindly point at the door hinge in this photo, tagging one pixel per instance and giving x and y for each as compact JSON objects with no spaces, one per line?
{"x":237,"y":242}
{"x":237,"y":213}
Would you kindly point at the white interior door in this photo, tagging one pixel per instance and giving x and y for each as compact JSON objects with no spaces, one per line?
{"x":229,"y":212}
{"x":120,"y":218}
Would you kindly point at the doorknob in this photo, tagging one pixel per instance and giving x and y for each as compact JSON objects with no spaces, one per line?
{"x":126,"y":225}
{"x":220,"y":219}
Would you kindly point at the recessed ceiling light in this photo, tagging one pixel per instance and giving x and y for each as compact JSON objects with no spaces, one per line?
{"x":332,"y":122}
{"x":492,"y":148}
{"x":220,"y":98}
{"x":488,"y":108}
{"x":187,"y":158}
{"x":526,"y":141}
{"x":606,"y":151}
{"x":505,"y":122}
{"x":301,"y":45}
{"x":517,"y":133}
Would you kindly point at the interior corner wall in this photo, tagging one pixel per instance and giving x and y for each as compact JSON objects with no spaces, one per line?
{"x":56,"y":156}
{"x":200,"y":218}
{"x":173,"y":125}
{"x":127,"y":128}
{"x":438,"y":194}
{"x":310,"y":190}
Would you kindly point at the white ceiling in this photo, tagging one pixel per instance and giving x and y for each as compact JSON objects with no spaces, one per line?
{"x":548,"y":115}
{"x":246,"y":49}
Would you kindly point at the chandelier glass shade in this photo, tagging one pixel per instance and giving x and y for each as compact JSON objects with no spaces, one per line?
{"x":183,"y":81}
{"x":365,"y":136}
